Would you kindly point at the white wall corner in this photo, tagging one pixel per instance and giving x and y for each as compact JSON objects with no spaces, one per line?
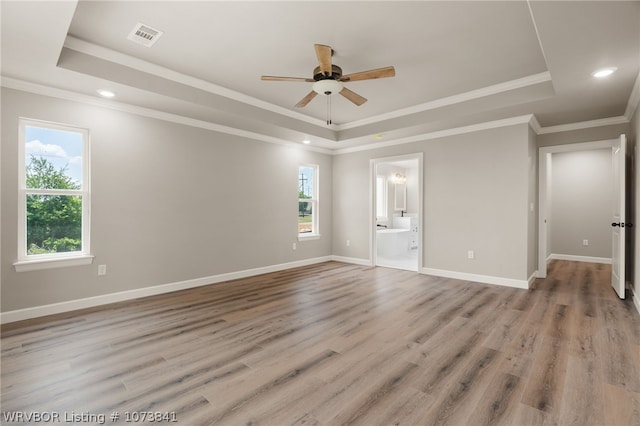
{"x":634,"y":99}
{"x":535,"y":125}
{"x":532,"y":278}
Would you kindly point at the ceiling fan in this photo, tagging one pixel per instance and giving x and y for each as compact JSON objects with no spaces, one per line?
{"x":327,"y":78}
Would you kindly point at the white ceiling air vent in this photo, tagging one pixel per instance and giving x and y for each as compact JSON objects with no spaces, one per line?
{"x":144,"y":35}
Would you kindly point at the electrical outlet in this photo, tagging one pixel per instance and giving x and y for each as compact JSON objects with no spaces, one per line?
{"x":295,"y":246}
{"x":471,"y":254}
{"x":102,"y":269}
{"x":585,"y":242}
{"x":348,"y":243}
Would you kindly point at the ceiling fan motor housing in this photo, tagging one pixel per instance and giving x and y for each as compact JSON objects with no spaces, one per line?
{"x":336,"y":73}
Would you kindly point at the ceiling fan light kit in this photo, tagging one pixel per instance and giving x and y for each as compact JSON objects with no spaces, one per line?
{"x":327,"y":87}
{"x":327,"y":79}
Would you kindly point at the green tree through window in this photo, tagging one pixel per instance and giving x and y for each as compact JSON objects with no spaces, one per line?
{"x":54,"y":222}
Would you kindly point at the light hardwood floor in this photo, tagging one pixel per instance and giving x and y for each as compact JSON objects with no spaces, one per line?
{"x":342,"y":344}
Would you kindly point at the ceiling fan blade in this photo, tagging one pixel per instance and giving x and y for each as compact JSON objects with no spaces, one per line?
{"x":324,"y":58}
{"x":370,"y":74}
{"x":353,"y":96}
{"x":304,"y":101}
{"x":275,"y":78}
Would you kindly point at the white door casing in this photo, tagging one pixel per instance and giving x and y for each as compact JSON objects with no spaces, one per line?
{"x":544,"y":183}
{"x":618,"y":155}
{"x":372,"y":196}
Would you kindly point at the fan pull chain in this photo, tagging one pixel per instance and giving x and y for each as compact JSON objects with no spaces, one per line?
{"x":328,"y":108}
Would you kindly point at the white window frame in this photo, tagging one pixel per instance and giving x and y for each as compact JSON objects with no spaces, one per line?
{"x":315,"y":204}
{"x":26,"y":262}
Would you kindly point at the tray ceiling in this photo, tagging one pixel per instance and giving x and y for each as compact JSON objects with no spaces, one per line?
{"x":456,"y":62}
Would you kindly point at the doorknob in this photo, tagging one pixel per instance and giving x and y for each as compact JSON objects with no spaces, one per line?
{"x":622,"y":224}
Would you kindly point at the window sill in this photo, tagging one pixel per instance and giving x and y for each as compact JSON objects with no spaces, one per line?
{"x":52,"y":262}
{"x":306,"y":237}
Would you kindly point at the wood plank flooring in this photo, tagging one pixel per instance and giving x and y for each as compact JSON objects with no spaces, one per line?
{"x":334,"y":344}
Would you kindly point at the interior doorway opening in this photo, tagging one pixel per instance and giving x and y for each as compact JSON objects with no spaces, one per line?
{"x":396,"y":205}
{"x":568,"y":234}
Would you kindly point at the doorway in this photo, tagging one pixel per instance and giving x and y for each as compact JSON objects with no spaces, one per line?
{"x":396,"y":212}
{"x":548,"y":232}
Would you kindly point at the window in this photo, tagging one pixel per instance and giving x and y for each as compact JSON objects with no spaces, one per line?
{"x":308,"y":201}
{"x":53,"y":221}
{"x":381,"y":198}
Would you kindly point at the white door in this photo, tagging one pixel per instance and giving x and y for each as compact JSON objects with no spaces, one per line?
{"x":619,"y":149}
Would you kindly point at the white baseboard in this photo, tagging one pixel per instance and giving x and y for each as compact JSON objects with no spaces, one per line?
{"x":532,"y":278}
{"x":574,"y":258}
{"x":486,"y":279}
{"x":90,"y":302}
{"x":354,"y":260}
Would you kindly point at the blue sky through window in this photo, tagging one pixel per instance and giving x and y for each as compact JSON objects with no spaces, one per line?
{"x":305,"y":180}
{"x":61,"y":148}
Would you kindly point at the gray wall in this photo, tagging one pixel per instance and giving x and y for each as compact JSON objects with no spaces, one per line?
{"x":634,"y":275}
{"x":476,"y":190}
{"x":581,"y":183}
{"x":169,"y":203}
{"x":174,"y":203}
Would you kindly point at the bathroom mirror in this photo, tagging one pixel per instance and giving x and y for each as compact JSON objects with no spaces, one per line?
{"x":400,"y":198}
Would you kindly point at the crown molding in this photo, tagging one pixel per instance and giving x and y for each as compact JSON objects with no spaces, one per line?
{"x":39,"y":89}
{"x":523,"y":119}
{"x":530,"y":119}
{"x":535,"y":125}
{"x":151,"y":68}
{"x":452,"y":100}
{"x":610,"y":121}
{"x":160,"y":71}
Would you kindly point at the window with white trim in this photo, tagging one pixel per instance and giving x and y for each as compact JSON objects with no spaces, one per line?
{"x":308,"y":201}
{"x":54,"y":195}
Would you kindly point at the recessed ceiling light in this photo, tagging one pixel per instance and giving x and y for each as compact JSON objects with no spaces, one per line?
{"x":378,"y":136}
{"x":306,"y":141}
{"x":106,"y":93}
{"x":604,"y":72}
